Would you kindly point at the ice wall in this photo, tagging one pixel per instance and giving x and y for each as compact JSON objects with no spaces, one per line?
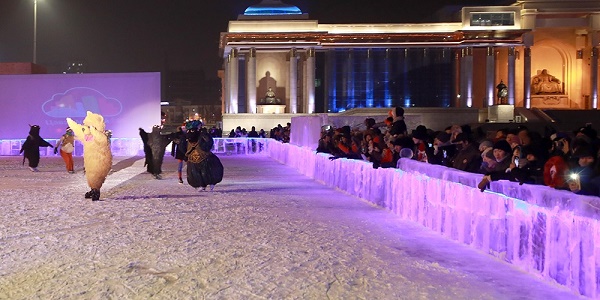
{"x":545,"y":232}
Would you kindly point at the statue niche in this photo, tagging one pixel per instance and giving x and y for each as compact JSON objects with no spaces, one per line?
{"x":270,"y":98}
{"x":544,"y":84}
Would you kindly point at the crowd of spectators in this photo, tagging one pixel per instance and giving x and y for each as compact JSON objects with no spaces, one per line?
{"x":562,"y":160}
{"x":279,"y":133}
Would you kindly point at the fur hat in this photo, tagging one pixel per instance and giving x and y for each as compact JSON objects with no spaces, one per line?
{"x":504,"y":146}
{"x":404,"y":142}
{"x":584,"y":151}
{"x":406,"y":153}
{"x":443,"y":137}
{"x":487,"y":144}
{"x":587,"y":131}
{"x":461,"y":137}
{"x":420,"y":133}
{"x":488,"y":153}
{"x":534,"y":149}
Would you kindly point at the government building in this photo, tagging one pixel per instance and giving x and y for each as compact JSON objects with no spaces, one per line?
{"x":531,"y":54}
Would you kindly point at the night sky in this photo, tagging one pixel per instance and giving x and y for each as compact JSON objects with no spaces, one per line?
{"x":153,"y":35}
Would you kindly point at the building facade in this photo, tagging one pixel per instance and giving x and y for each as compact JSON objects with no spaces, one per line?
{"x":545,"y":53}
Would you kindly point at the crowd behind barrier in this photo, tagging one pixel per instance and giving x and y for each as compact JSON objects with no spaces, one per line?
{"x":541,"y":230}
{"x":134,"y":147}
{"x":562,"y":160}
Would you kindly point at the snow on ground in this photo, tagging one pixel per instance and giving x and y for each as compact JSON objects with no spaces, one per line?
{"x":266,"y":232}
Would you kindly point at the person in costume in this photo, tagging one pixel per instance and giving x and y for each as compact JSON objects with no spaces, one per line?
{"x":31,"y":147}
{"x":178,"y":150}
{"x":155,"y":143}
{"x":97,"y":158}
{"x":66,"y":144}
{"x":147,"y":151}
{"x":203,"y":167}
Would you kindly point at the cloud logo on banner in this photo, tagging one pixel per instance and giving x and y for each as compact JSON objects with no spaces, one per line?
{"x":75,"y":102}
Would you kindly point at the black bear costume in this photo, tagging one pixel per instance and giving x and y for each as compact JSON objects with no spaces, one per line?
{"x":155,"y":143}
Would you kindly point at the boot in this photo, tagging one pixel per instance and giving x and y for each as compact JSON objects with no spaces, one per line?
{"x":212,"y":187}
{"x":88,"y":195}
{"x":95,"y":195}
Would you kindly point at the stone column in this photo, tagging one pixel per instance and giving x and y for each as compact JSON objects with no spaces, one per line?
{"x":309,"y":93}
{"x":251,"y":81}
{"x":233,"y":81}
{"x":369,"y":79}
{"x":226,"y":87}
{"x":527,"y":77}
{"x":386,"y":82}
{"x":466,"y":75}
{"x":594,"y":77}
{"x":293,"y":78}
{"x":457,"y":77}
{"x":511,"y":75}
{"x":490,"y":74}
{"x":349,"y":76}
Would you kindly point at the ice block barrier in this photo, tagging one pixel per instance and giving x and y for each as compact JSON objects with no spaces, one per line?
{"x":543,"y":231}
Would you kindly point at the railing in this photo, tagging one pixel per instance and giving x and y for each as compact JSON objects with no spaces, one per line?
{"x":135,"y":147}
{"x":549,"y":233}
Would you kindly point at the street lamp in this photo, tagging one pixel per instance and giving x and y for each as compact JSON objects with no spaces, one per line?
{"x":34,"y":30}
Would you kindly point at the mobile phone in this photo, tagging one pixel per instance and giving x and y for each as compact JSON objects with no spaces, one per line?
{"x":574,"y":182}
{"x":517,"y":161}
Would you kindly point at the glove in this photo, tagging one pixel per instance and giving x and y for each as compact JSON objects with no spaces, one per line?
{"x":55,"y":150}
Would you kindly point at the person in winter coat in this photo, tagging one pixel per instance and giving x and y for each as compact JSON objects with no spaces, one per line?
{"x":398,"y":128}
{"x":581,"y":178}
{"x":178,"y":149}
{"x":467,"y":156}
{"x":66,"y":144}
{"x":31,"y":147}
{"x":502,"y":153}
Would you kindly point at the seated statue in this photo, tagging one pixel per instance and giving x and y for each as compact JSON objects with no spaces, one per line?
{"x":545,"y":83}
{"x":270,"y":97}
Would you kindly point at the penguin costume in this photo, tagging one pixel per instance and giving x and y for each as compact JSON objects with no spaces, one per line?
{"x":31,"y":147}
{"x":203,"y":167}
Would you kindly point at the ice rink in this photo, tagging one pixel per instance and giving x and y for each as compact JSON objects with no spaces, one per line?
{"x":265,"y":232}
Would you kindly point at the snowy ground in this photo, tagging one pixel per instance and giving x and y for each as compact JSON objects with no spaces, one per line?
{"x":266,"y":232}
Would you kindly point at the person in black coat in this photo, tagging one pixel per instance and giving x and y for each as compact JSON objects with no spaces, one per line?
{"x":31,"y":147}
{"x":203,"y":167}
{"x":178,"y":149}
{"x":398,"y":128}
